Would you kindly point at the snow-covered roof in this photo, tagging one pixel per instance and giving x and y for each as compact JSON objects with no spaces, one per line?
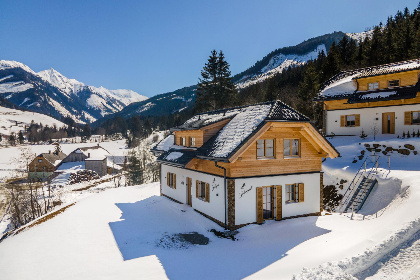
{"x":244,"y":122}
{"x":96,"y":152}
{"x":343,"y":85}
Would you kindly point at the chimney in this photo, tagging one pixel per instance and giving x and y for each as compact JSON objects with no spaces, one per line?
{"x":49,"y":151}
{"x":88,"y":155}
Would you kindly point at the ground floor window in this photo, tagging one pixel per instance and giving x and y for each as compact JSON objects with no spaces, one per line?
{"x":350,"y":120}
{"x":294,"y":192}
{"x":171,"y":180}
{"x":202,"y":191}
{"x":411,"y":117}
{"x":268,"y":203}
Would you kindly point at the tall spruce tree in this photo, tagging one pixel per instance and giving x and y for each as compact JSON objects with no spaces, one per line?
{"x":215,"y":89}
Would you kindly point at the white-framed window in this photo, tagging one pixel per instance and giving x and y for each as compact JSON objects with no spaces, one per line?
{"x":182,"y":141}
{"x":265,"y":148}
{"x":394,"y":83}
{"x":171,"y":180}
{"x":291,"y":148}
{"x":351,"y":120}
{"x":373,"y":86}
{"x":292,"y":192}
{"x":192,"y":144}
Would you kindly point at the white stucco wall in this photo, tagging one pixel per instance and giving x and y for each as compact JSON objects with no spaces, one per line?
{"x":246,"y":196}
{"x":369,"y":119}
{"x":215,"y":208}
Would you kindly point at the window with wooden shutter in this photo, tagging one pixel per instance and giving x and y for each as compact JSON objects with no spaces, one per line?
{"x":260,"y":212}
{"x":407,"y":118}
{"x":207,"y":192}
{"x":301,"y":188}
{"x":174,"y":181}
{"x":357,"y":120}
{"x":415,"y":117}
{"x":279,"y":206}
{"x":196,"y":188}
{"x":342,"y":121}
{"x":202,"y":191}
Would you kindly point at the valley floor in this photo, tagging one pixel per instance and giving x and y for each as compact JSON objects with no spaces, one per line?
{"x":133,"y":233}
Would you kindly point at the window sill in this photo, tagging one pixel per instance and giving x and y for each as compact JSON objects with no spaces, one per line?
{"x":291,"y":201}
{"x":292,"y":157}
{"x":265,"y":158}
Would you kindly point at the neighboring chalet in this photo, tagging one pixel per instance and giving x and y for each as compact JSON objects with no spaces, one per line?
{"x":245,"y":165}
{"x":45,"y":164}
{"x":383,"y":99}
{"x":93,"y":158}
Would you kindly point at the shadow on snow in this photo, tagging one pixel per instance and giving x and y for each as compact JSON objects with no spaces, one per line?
{"x":147,"y":226}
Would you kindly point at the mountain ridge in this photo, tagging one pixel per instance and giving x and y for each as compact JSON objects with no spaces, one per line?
{"x":52,"y":93}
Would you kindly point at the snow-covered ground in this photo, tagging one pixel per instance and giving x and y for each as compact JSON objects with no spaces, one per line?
{"x":133,"y":233}
{"x":13,"y":121}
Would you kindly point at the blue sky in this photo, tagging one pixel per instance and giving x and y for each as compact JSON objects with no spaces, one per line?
{"x":158,"y":46}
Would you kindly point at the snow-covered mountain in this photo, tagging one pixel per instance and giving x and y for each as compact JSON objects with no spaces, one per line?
{"x":50,"y":92}
{"x":278,"y":64}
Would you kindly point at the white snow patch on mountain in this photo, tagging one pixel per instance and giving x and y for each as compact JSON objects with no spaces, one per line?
{"x":359,"y":37}
{"x":5,"y":78}
{"x":68,"y":86}
{"x":14,"y":87}
{"x":278,"y":64}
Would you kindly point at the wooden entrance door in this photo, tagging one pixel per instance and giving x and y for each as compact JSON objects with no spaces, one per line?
{"x":388,"y":123}
{"x":189,"y":185}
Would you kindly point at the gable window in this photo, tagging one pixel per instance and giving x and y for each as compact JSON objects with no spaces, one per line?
{"x":171,"y":180}
{"x":373,"y":86}
{"x":202,"y":191}
{"x":192,"y":144}
{"x":182,"y":141}
{"x":394,"y":83}
{"x":265,"y":148}
{"x":291,"y":148}
{"x":350,"y":120}
{"x":39,"y":160}
{"x":295,"y":192}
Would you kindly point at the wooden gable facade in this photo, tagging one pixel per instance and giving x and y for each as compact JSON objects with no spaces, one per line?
{"x":273,"y":173}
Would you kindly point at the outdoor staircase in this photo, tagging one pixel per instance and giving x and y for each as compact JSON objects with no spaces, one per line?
{"x":360,"y":194}
{"x":360,"y":187}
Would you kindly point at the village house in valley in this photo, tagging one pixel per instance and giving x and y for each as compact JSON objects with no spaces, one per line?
{"x":43,"y":165}
{"x":245,"y":165}
{"x":383,"y":99}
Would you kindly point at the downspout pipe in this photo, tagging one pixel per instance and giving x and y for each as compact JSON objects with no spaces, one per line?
{"x":224,"y":181}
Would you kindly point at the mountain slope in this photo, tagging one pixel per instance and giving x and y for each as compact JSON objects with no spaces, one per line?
{"x":50,"y":92}
{"x":273,"y":63}
{"x":13,"y":120}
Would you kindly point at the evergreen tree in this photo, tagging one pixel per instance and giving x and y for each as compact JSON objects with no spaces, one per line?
{"x":215,"y":89}
{"x":21,"y":139}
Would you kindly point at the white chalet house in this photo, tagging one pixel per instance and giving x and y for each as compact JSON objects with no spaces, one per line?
{"x":383,"y":99}
{"x":245,"y":165}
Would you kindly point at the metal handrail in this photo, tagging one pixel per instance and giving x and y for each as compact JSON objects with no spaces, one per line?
{"x":355,"y":182}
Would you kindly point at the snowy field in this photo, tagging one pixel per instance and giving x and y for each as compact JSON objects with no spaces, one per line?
{"x":133,"y":233}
